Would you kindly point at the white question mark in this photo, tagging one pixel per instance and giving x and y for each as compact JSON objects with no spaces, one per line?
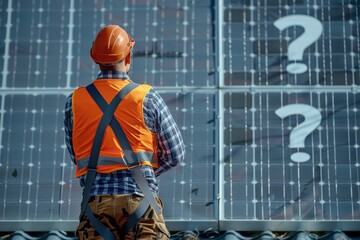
{"x":300,"y":132}
{"x":312,"y":31}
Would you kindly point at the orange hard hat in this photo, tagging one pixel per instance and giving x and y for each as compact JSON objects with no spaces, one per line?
{"x":111,"y":45}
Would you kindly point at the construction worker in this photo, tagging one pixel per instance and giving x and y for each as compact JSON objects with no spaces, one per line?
{"x":120,"y":135}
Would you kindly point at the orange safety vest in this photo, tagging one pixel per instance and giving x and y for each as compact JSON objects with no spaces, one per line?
{"x":129,"y":113}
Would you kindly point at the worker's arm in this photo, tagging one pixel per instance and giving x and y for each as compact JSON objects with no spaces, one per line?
{"x":68,"y":126}
{"x":171,"y":148}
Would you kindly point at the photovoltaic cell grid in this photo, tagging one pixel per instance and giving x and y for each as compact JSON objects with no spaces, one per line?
{"x":38,"y":178}
{"x":257,"y":156}
{"x":3,"y":7}
{"x":34,"y":171}
{"x":49,"y":44}
{"x":174,"y":45}
{"x":257,"y":151}
{"x":46,"y":55}
{"x":257,"y":51}
{"x":188,"y":192}
{"x":38,"y":44}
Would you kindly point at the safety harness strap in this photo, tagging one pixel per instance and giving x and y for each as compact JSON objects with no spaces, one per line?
{"x":134,"y":217}
{"x":95,"y":150}
{"x":94,"y":155}
{"x":130,"y":158}
{"x":100,"y":228}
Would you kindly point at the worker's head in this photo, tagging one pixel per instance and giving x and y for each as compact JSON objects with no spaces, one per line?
{"x":112,"y":48}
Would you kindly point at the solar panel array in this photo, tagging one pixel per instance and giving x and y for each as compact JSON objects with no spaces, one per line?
{"x":259,"y":149}
{"x":222,"y":68}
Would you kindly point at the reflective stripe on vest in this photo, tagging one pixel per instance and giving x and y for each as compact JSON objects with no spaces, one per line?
{"x":143,"y":158}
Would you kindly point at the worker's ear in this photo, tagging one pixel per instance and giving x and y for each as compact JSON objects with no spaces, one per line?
{"x":128,"y":59}
{"x":128,"y":62}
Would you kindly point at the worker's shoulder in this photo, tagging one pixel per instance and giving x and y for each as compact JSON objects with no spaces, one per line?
{"x":143,"y":87}
{"x":79,"y":88}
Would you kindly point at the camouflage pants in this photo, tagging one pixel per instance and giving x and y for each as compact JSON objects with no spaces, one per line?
{"x":113,"y":211}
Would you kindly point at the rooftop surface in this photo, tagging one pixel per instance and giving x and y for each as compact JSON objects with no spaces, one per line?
{"x":193,"y":235}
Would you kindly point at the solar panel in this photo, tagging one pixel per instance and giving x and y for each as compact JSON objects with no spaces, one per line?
{"x":32,"y":156}
{"x":259,"y":51}
{"x":262,"y":178}
{"x":226,"y":71}
{"x":49,"y":56}
{"x":258,"y":159}
{"x":188,"y":192}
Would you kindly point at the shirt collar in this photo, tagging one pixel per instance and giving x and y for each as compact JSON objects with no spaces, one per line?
{"x":112,"y":75}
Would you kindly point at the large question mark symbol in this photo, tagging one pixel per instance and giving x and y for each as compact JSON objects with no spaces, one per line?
{"x":300,"y":132}
{"x":312,"y":31}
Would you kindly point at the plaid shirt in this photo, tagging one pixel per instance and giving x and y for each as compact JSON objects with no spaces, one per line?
{"x":158,"y":119}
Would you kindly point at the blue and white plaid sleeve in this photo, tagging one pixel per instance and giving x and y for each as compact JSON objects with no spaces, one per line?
{"x":68,"y":126}
{"x":171,"y":148}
